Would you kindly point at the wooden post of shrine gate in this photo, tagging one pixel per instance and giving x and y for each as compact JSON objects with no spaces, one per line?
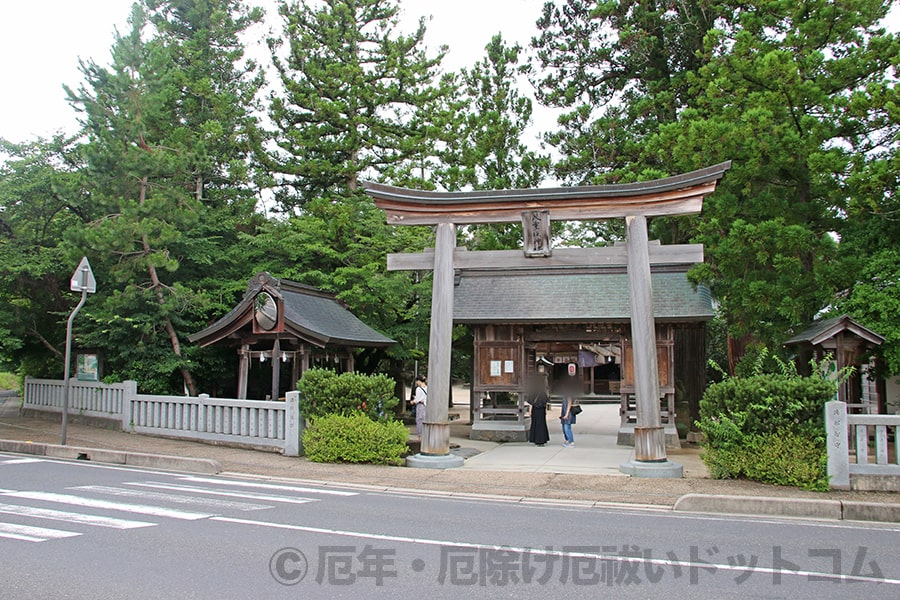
{"x":535,"y":208}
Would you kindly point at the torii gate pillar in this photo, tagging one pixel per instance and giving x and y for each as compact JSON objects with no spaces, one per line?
{"x":649,"y":436}
{"x":435,"y":447}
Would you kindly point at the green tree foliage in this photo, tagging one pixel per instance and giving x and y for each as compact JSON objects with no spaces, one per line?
{"x":352,"y":99}
{"x":487,"y":150}
{"x":488,"y":153}
{"x":168,"y":129}
{"x":874,"y":299}
{"x":40,"y":200}
{"x":619,"y":70}
{"x":779,"y":274}
{"x":358,"y":99}
{"x":800,"y":96}
{"x":789,"y":92}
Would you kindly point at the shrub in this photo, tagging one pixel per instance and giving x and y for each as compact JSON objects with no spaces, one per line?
{"x":762,"y":404}
{"x":355,"y":438}
{"x":787,"y":458}
{"x":767,"y":428}
{"x":324,"y":392}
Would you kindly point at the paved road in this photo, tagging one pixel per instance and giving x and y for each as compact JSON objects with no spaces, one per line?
{"x":71,"y":529}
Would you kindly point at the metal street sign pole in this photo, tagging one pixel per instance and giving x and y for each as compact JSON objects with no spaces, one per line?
{"x":83,"y":281}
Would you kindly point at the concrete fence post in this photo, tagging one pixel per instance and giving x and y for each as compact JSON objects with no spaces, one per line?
{"x":838,"y":446}
{"x":129,"y":395}
{"x":293,"y":425}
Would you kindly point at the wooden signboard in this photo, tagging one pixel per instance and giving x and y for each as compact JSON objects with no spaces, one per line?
{"x":664,"y":363}
{"x":498,"y":366}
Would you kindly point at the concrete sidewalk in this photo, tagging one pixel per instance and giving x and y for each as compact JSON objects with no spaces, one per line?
{"x":517,"y":472}
{"x":595,"y":451}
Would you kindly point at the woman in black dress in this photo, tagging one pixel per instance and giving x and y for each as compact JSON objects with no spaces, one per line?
{"x":539,"y":434}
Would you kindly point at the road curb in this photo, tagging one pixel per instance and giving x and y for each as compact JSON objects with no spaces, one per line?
{"x":759,"y":505}
{"x":805,"y":508}
{"x":205,"y":466}
{"x":871,"y":511}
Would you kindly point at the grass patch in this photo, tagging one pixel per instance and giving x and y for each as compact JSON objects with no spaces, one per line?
{"x":9,"y":381}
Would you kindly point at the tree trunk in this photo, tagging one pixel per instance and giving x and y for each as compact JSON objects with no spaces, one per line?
{"x":156,"y":285}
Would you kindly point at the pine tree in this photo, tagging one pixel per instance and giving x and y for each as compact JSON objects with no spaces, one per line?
{"x":796,"y":95}
{"x":353,"y":96}
{"x":168,"y":130}
{"x":619,"y":70}
{"x":487,"y":150}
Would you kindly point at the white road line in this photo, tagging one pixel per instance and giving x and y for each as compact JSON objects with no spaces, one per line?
{"x":21,"y":461}
{"x":71,"y":517}
{"x":26,"y":533}
{"x":561,"y":553}
{"x":269,"y":486}
{"x":196,"y":490}
{"x":156,"y":511}
{"x":175,"y":499}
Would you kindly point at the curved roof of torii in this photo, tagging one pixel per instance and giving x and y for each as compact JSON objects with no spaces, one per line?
{"x":680,"y":194}
{"x":310,"y":315}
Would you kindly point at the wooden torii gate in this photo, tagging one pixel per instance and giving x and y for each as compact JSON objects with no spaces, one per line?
{"x":535,"y":209}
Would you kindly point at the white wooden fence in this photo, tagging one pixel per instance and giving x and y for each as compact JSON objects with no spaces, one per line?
{"x":246,"y":422}
{"x":860,"y":445}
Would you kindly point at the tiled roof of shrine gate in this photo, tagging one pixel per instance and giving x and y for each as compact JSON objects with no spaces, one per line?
{"x":535,"y":297}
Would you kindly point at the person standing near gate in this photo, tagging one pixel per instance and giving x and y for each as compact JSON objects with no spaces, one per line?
{"x":567,"y":418}
{"x":418,"y":402}
{"x":538,"y":433}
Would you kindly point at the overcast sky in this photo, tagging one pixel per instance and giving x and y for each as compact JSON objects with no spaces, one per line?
{"x":42,"y":40}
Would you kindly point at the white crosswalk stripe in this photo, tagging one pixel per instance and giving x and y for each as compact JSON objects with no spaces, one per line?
{"x":71,"y":517}
{"x":269,"y":486}
{"x":173,"y":498}
{"x":156,"y":511}
{"x":150,"y":498}
{"x":27,"y":533}
{"x":242,"y":494}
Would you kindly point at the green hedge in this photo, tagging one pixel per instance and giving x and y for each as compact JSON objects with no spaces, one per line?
{"x":768,"y":428}
{"x":355,"y":438}
{"x":324,"y":392}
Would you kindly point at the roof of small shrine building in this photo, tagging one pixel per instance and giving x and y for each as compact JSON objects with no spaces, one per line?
{"x":586,"y":296}
{"x":822,"y":331}
{"x":310,"y":315}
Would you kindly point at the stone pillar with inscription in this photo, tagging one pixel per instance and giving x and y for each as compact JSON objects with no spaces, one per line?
{"x":838,"y":446}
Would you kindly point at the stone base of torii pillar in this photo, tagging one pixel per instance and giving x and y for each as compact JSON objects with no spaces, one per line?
{"x":440,"y":461}
{"x":435,"y":448}
{"x":661,"y":469}
{"x":650,"y":456}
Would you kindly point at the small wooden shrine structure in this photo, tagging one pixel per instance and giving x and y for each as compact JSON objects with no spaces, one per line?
{"x":535,"y":209}
{"x":849,"y":344}
{"x":283,"y":322}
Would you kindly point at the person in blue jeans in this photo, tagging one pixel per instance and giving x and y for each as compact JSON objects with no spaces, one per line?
{"x":567,"y":418}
